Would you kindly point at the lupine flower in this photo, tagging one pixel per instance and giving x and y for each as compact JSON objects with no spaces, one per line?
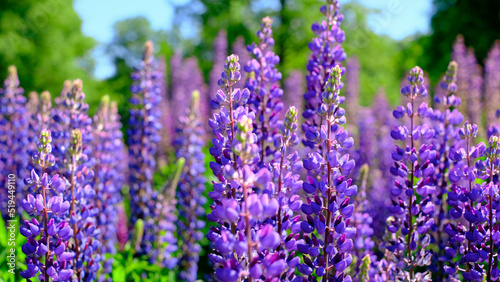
{"x":492,"y":84}
{"x":362,"y":220}
{"x":193,"y":80}
{"x":219,"y":55}
{"x":40,"y":118}
{"x":474,"y":90}
{"x":239,"y":48}
{"x":328,"y":236}
{"x":412,"y":166}
{"x":14,"y":120}
{"x":263,"y":83}
{"x":143,"y":140}
{"x":83,"y":211}
{"x":109,"y":178}
{"x":459,"y":55}
{"x":445,"y":123}
{"x":47,"y":252}
{"x":293,"y":90}
{"x":189,"y":143}
{"x":462,"y":198}
{"x":73,"y":153}
{"x":167,"y":120}
{"x":177,"y":86}
{"x":352,"y":90}
{"x":326,"y":53}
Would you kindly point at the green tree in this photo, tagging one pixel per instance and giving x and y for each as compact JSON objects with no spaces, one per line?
{"x":43,"y":39}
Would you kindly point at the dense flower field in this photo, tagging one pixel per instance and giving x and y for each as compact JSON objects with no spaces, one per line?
{"x":296,"y":184}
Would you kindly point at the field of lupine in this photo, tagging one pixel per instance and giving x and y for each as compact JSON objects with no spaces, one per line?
{"x":244,"y":181}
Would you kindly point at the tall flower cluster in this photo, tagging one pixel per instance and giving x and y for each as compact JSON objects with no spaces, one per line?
{"x":474,"y":90}
{"x":47,"y":252}
{"x":327,"y":52}
{"x":108,"y":153}
{"x":327,"y":233}
{"x":492,"y":84}
{"x":14,"y":121}
{"x":189,"y":143}
{"x":293,"y":90}
{"x":352,"y":89}
{"x":263,"y":83}
{"x":143,"y":140}
{"x":411,"y":224}
{"x":72,"y":134}
{"x":219,"y":55}
{"x":446,"y":121}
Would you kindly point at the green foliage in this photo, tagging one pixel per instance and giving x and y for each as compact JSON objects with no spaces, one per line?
{"x":44,"y":39}
{"x":477,"y":21}
{"x":365,"y":269}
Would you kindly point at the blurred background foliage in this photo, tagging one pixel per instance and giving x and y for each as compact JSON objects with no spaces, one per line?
{"x":44,"y":39}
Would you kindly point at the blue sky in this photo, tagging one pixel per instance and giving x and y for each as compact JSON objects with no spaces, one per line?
{"x":397,"y":19}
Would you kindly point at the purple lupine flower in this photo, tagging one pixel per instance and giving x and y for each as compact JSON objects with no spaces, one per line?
{"x":243,"y":201}
{"x":328,"y":208}
{"x":263,"y":82}
{"x":489,"y":235}
{"x":413,"y":220}
{"x":326,"y":53}
{"x":459,"y":55}
{"x":219,"y":54}
{"x":492,"y":84}
{"x":189,"y":143}
{"x":109,"y":177}
{"x":445,"y":122}
{"x":474,"y":90}
{"x":50,"y":260}
{"x":177,"y":87}
{"x":293,"y":90}
{"x":463,"y":196}
{"x":193,"y":80}
{"x":239,"y":48}
{"x":122,"y":233}
{"x":83,"y":210}
{"x":167,"y":120}
{"x":352,"y":90}
{"x":72,"y":134}
{"x":40,"y":118}
{"x":143,"y":139}
{"x":362,"y":220}
{"x":14,"y":120}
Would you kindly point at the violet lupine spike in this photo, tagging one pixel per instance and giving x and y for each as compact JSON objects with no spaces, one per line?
{"x":328,"y":208}
{"x":474,"y":90}
{"x":40,"y":118}
{"x":263,"y":82}
{"x":143,"y":141}
{"x":293,"y":90}
{"x":352,"y":89}
{"x":177,"y":86}
{"x":327,"y":52}
{"x":73,"y":152}
{"x":193,"y":80}
{"x":219,"y":55}
{"x":83,"y":210}
{"x":412,"y":222}
{"x":459,"y":55}
{"x":109,"y":178}
{"x":362,"y":219}
{"x":488,"y":234}
{"x":236,"y":249}
{"x":239,"y":48}
{"x":466,"y":215}
{"x":14,"y":121}
{"x":492,"y":84}
{"x":50,"y":261}
{"x":167,"y":120}
{"x":190,"y":189}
